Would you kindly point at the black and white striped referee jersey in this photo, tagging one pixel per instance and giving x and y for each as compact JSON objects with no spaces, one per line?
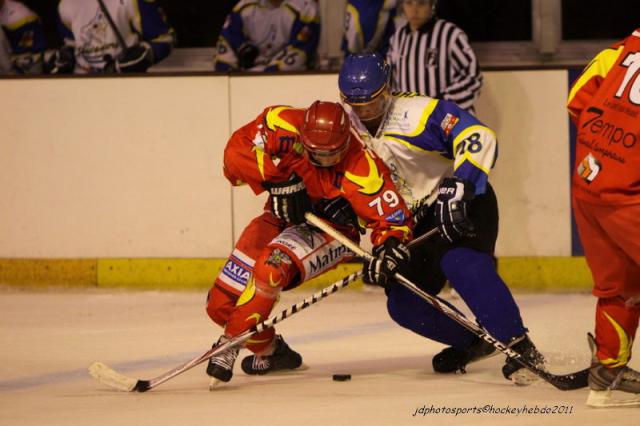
{"x":437,"y":61}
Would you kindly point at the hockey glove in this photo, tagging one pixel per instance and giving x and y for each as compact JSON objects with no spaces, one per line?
{"x":137,"y":58}
{"x":387,"y":259}
{"x":289,"y":200}
{"x":451,"y":209}
{"x":337,"y":211}
{"x":63,"y":61}
{"x":247,"y":55}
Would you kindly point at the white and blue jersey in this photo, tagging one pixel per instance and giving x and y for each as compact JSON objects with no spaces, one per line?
{"x":23,"y":30}
{"x":368,"y":25}
{"x":286,"y":36}
{"x":83,"y":26}
{"x":423,"y":140}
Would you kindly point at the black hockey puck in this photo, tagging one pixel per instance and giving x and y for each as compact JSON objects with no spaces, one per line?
{"x":341,"y":377}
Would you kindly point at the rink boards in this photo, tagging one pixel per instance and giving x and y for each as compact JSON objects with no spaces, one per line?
{"x":105,"y":179}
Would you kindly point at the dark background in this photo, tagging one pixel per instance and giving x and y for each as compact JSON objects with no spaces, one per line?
{"x":198,"y":22}
{"x":510,"y":20}
{"x":489,"y":20}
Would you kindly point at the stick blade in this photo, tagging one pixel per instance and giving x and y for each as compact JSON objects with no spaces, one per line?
{"x":108,"y":376}
{"x":573,"y":381}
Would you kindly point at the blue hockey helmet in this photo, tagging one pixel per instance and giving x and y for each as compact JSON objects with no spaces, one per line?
{"x":363,"y":77}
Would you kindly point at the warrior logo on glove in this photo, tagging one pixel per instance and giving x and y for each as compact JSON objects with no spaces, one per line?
{"x":289,"y":200}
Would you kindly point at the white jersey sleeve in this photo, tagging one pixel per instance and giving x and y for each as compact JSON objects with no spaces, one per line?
{"x":423,"y":140}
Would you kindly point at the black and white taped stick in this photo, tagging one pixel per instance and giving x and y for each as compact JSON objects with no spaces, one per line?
{"x":571,"y":381}
{"x":112,"y":378}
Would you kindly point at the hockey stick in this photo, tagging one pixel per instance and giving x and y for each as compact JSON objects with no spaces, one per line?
{"x":112,"y":378}
{"x":113,"y":26}
{"x":109,"y":60}
{"x":116,"y":380}
{"x":570,"y":381}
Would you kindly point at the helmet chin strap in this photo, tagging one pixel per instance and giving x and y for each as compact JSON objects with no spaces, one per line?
{"x":373,"y":124}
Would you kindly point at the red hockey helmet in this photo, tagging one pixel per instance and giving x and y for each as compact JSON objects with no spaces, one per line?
{"x":325,"y":133}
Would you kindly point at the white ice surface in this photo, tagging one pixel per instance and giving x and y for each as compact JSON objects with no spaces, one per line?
{"x":50,"y":338}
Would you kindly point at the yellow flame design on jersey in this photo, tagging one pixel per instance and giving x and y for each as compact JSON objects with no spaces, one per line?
{"x":255,"y":316}
{"x":274,"y":120}
{"x":272,"y":283}
{"x":248,"y":293}
{"x":260,"y":159}
{"x":371,"y":183}
{"x":624,"y":352}
{"x":254,"y":341}
{"x":599,"y":66}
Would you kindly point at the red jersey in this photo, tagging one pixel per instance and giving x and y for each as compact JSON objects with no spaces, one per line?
{"x":269,"y":149}
{"x":604,"y":103}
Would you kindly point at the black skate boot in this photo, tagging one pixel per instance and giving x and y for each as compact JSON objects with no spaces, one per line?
{"x":611,"y":387}
{"x":518,"y":374}
{"x":282,"y":358}
{"x":452,"y":360}
{"x":220,"y":367}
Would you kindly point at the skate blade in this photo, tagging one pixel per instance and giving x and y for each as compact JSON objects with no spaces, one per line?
{"x":288,"y":371}
{"x":280,"y":372}
{"x":215,"y":384}
{"x":607,"y":398}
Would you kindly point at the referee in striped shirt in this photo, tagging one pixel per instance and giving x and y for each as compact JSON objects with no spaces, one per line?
{"x":432,"y":57}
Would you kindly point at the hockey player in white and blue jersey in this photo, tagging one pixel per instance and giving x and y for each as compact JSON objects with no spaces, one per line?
{"x":368,"y":25}
{"x":23,"y":30}
{"x":93,"y":46}
{"x":440,"y":157}
{"x":269,"y":35}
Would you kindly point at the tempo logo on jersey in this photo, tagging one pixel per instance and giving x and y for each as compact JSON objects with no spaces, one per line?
{"x":448,"y":122}
{"x":608,"y":131}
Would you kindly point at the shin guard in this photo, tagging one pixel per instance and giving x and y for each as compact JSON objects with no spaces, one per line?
{"x":272,"y":272}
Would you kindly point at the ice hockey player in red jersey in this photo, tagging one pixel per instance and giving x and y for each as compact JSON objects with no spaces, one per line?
{"x":604,"y":103}
{"x":306,"y":159}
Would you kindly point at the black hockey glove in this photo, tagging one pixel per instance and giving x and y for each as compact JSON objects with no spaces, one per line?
{"x":63,"y":61}
{"x":137,"y":58}
{"x":247,"y":55}
{"x":451,"y":209}
{"x":289,"y":200}
{"x":337,"y":211}
{"x":387,"y":259}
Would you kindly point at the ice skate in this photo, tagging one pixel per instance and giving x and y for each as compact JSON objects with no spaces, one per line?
{"x":512,"y":370}
{"x":451,"y":360}
{"x":611,"y":387}
{"x":282,"y":358}
{"x":220,"y":367}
